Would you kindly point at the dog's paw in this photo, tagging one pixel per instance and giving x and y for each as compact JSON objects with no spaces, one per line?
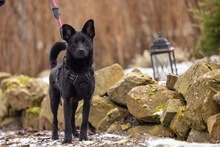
{"x":67,"y":141}
{"x":83,"y":137}
{"x":55,"y":136}
{"x":75,"y":134}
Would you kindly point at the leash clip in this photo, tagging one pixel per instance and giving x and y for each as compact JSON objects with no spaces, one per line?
{"x":56,"y":12}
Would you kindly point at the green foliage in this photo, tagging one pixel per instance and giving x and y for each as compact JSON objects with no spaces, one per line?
{"x":209,"y":16}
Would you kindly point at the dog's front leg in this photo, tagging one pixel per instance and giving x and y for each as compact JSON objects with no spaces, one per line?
{"x":67,"y":119}
{"x":74,"y":131}
{"x":83,"y":129}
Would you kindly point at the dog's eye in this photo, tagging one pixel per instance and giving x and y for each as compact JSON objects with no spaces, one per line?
{"x":76,"y":41}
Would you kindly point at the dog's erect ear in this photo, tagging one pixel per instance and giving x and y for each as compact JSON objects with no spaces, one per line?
{"x":89,"y":28}
{"x":66,"y":31}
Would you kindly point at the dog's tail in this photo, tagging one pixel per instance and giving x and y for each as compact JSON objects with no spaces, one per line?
{"x":54,"y":52}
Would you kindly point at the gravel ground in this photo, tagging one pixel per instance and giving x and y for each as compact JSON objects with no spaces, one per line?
{"x":24,"y":138}
{"x":31,"y":138}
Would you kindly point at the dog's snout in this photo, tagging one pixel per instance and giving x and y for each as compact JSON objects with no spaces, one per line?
{"x":81,"y":49}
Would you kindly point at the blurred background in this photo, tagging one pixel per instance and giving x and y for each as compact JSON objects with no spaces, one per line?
{"x":124,"y":30}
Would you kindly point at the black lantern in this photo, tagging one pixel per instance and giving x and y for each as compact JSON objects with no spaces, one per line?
{"x":162,"y":58}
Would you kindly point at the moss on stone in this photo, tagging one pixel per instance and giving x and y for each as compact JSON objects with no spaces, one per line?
{"x":156,"y":114}
{"x":156,"y":118}
{"x":33,"y":94}
{"x":189,"y":86}
{"x":209,"y":66}
{"x":36,"y":102}
{"x":152,"y":90}
{"x":109,"y":114}
{"x":137,"y":98}
{"x":145,"y":106}
{"x":173,"y":128}
{"x":17,"y":81}
{"x":160,"y":108}
{"x":180,"y":114}
{"x":34,"y":111}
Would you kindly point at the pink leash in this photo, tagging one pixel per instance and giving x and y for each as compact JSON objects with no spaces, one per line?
{"x":56,"y":12}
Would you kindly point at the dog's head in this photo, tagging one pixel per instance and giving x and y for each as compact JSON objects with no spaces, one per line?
{"x":80,"y":43}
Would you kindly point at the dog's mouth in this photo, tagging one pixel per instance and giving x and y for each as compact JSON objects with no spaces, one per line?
{"x":81,"y":54}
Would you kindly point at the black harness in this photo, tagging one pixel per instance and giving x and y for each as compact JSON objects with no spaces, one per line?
{"x":81,"y":82}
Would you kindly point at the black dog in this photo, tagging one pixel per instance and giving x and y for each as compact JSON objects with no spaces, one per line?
{"x":73,"y":79}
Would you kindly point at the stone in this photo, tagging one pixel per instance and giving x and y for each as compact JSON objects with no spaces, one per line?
{"x":106,"y":78}
{"x":199,"y":99}
{"x":44,"y":73}
{"x":126,"y":126}
{"x":18,"y":98}
{"x":24,"y":92}
{"x":213,"y":124}
{"x":101,"y":107}
{"x":4,"y":106}
{"x":46,"y":117}
{"x":11,"y":124}
{"x":15,"y":81}
{"x":189,"y":77}
{"x":160,"y":131}
{"x":171,"y":109}
{"x":154,"y":130}
{"x":30,"y":118}
{"x":38,"y":89}
{"x":4,"y":75}
{"x":147,"y":102}
{"x":114,"y":127}
{"x":198,"y":136}
{"x":179,"y":126}
{"x":171,"y":80}
{"x":198,"y":85}
{"x":114,"y":115}
{"x":216,"y":97}
{"x":119,"y":92}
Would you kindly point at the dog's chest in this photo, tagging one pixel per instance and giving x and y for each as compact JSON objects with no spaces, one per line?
{"x":81,"y":83}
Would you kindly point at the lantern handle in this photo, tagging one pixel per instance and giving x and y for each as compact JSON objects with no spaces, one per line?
{"x":160,"y":34}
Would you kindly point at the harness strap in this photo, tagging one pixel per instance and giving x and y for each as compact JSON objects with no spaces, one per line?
{"x":73,"y":77}
{"x":58,"y":75}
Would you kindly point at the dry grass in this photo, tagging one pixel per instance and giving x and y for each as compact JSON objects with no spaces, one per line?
{"x":124,"y":28}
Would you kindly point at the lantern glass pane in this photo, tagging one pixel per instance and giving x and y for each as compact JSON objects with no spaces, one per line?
{"x":161,"y":65}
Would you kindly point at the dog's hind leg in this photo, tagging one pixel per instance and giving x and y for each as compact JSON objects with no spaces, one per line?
{"x":84,"y":126}
{"x":54,"y":104}
{"x":74,"y":131}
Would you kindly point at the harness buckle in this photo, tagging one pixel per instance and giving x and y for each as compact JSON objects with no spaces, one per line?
{"x":67,"y":74}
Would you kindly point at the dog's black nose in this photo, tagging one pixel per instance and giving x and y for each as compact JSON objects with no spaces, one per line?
{"x":81,"y":49}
